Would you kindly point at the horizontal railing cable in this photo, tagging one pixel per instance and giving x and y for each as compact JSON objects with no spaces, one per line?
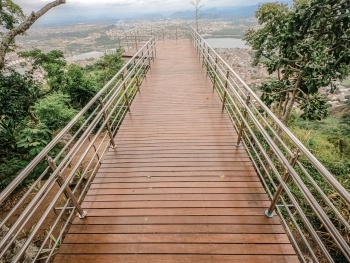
{"x":283,"y":163}
{"x":70,"y":170}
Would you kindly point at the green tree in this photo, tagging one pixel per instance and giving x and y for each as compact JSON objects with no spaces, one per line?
{"x":8,"y":130}
{"x":10,"y":14}
{"x":307,"y":46}
{"x":79,"y":86}
{"x":110,"y":64}
{"x":51,"y":63}
{"x":14,"y":21}
{"x":34,"y":139}
{"x":54,"y":111}
{"x":17,"y":94}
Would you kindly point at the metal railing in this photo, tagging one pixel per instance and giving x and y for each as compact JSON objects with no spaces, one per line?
{"x":312,"y":204}
{"x":133,"y":39}
{"x":68,"y":164}
{"x":174,"y":32}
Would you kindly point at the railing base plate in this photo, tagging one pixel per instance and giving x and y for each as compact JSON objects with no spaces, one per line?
{"x":269,"y":215}
{"x":84,"y":215}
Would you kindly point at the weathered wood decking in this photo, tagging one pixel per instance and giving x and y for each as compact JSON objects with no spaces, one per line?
{"x":176,"y":189}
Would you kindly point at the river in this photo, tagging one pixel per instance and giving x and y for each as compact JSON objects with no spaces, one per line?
{"x":84,"y":56}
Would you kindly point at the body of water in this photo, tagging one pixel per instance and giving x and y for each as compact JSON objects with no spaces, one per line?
{"x":226,"y":43}
{"x":93,"y":54}
{"x":84,"y":56}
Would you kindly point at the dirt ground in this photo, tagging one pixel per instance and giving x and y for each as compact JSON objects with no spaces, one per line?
{"x":6,"y":207}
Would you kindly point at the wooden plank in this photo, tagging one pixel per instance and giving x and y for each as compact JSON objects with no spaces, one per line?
{"x":214,"y":249}
{"x":177,"y":211}
{"x":180,"y":229}
{"x":177,"y":185}
{"x":183,"y":165}
{"x":249,"y":224}
{"x":183,"y":173}
{"x":186,"y":197}
{"x":158,"y":179}
{"x":174,"y":204}
{"x":163,"y":177}
{"x":160,"y":159}
{"x":176,"y":168}
{"x":196,"y":238}
{"x":144,"y":258}
{"x":179,"y":152}
{"x":213,"y":190}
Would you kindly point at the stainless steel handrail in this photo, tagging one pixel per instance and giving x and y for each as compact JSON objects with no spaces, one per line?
{"x":270,"y":145}
{"x":77,"y":161}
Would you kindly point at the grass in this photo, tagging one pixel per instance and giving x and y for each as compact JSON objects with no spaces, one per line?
{"x":329,"y":143}
{"x":346,"y":83}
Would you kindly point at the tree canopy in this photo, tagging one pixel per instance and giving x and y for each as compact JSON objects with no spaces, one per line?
{"x":13,"y":19}
{"x":308,"y":46}
{"x":10,"y":14}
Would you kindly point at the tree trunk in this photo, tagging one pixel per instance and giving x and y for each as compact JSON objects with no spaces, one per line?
{"x":290,"y":103}
{"x":9,"y":37}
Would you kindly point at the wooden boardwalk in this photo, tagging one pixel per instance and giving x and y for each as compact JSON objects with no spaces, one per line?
{"x":176,"y":189}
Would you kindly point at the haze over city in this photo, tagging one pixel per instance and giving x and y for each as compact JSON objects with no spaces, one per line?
{"x":80,"y":10}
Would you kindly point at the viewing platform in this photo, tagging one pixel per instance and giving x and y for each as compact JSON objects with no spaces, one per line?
{"x":176,"y":188}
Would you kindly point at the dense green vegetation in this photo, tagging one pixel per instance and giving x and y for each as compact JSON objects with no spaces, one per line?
{"x":308,"y":47}
{"x":32,"y":112}
{"x":329,"y":141}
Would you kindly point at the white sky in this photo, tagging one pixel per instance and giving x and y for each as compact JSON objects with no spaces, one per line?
{"x":145,"y":5}
{"x":119,"y":9}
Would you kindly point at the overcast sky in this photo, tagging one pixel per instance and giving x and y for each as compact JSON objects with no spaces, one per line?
{"x":120,"y":8}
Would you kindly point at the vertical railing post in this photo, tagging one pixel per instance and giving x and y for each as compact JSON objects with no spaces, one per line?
{"x":207,"y":67}
{"x":136,"y":42}
{"x":215,"y":66}
{"x":127,"y":41}
{"x":241,"y":127}
{"x":163,"y":34}
{"x":154,"y":47}
{"x":126,"y":93}
{"x":152,"y":51}
{"x":225,"y":91}
{"x":149,"y":57}
{"x":203,"y":56}
{"x":144,"y":68}
{"x":138,"y":83}
{"x":110,"y":133}
{"x":269,"y":212}
{"x":197,"y":43}
{"x":137,"y":77}
{"x":199,"y":48}
{"x":67,"y":191}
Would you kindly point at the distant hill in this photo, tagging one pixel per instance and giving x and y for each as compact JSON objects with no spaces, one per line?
{"x":182,"y":15}
{"x":152,"y":16}
{"x":226,"y":12}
